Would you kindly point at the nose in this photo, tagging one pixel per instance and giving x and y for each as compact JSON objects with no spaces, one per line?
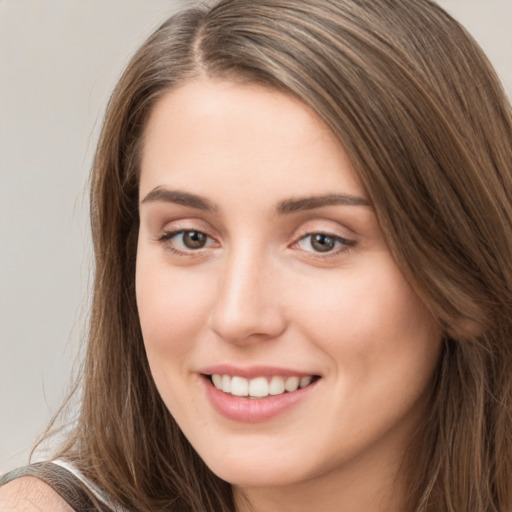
{"x":247,"y":307}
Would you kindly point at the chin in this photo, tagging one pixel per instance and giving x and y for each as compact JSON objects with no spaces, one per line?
{"x":262,"y":471}
{"x":265,"y":476}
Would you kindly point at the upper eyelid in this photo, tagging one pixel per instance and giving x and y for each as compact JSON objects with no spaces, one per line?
{"x":168,"y":234}
{"x":347,"y":242}
{"x":167,"y":239}
{"x":187,"y":224}
{"x":307,"y":230}
{"x":327,"y":232}
{"x":338,"y":231}
{"x":345,"y":247}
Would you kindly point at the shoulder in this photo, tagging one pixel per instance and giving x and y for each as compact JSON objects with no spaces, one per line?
{"x":56,"y":486}
{"x":29,"y":494}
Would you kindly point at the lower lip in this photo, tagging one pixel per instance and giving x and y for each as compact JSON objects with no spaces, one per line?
{"x":249,"y":410}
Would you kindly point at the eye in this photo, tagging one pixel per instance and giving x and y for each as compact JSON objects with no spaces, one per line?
{"x":186,"y":240}
{"x":323,"y":243}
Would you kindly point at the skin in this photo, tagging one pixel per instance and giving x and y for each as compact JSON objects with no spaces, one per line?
{"x":260,"y":293}
{"x":28,"y":494}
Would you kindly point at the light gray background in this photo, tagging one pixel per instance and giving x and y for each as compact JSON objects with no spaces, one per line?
{"x":59,"y":60}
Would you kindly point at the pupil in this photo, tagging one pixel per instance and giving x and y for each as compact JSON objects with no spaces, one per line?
{"x":322,"y":243}
{"x":194,"y":239}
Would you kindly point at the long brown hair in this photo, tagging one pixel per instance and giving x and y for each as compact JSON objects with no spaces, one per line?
{"x":428,"y":128}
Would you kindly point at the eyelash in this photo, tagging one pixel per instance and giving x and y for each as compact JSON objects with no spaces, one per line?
{"x":168,"y":237}
{"x":344,"y":244}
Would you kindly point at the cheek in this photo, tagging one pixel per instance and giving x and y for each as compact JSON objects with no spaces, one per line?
{"x":383,"y":348}
{"x":172,"y":309}
{"x":371,"y":323}
{"x":171,"y":312}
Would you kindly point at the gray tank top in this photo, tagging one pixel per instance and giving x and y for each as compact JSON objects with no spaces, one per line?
{"x":74,"y":489}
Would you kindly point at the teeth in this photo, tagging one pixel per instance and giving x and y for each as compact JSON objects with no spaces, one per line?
{"x":305,"y":381}
{"x":260,"y":386}
{"x":217,"y":380}
{"x":239,"y":386}
{"x":226,"y":384}
{"x":276,"y":386}
{"x":291,"y":384}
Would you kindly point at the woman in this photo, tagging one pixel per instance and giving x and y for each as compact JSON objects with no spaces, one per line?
{"x":302,"y":221}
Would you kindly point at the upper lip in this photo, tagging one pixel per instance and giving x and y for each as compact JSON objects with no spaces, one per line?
{"x":251,"y":372}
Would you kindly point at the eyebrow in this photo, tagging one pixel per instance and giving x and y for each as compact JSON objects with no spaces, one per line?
{"x":159,"y":194}
{"x":287,"y":206}
{"x":310,"y":203}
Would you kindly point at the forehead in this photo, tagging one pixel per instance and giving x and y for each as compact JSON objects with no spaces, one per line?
{"x":245,"y":136}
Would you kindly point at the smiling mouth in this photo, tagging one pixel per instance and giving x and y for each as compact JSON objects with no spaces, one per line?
{"x":260,"y":387}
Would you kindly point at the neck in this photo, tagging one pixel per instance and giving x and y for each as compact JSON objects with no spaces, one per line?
{"x":372,"y":482}
{"x":345,"y":496}
{"x":347,"y":493}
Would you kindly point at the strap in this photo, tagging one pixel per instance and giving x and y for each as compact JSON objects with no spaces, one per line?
{"x":62,"y":481}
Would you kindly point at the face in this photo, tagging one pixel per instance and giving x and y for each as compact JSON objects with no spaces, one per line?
{"x":280,"y":333}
